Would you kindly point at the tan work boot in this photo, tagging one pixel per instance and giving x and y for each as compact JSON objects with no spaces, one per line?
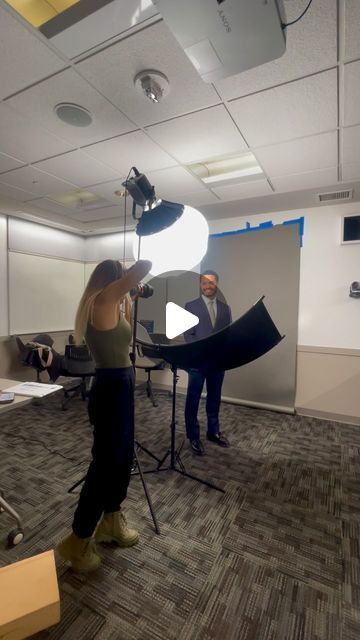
{"x":81,"y":552}
{"x":113,"y":528}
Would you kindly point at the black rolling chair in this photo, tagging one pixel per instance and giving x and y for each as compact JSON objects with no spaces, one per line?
{"x":147,"y":364}
{"x":77,"y":363}
{"x":35,"y":354}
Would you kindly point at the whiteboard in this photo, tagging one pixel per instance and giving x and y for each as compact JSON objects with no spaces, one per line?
{"x":43,"y":293}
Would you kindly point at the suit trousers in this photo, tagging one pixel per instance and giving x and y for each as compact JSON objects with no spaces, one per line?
{"x":214,"y":380}
{"x":111,"y":412}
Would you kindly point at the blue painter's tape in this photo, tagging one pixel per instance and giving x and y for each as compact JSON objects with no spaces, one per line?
{"x":260,"y":227}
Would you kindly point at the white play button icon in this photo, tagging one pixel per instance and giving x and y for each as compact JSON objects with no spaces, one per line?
{"x":178,"y":320}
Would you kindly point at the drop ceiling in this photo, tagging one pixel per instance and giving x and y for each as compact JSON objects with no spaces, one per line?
{"x":299,"y":115}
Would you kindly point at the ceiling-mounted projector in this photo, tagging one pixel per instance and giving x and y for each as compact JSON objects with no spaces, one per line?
{"x":224,"y":37}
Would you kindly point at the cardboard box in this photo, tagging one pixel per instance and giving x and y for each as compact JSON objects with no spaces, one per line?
{"x":29,"y":597}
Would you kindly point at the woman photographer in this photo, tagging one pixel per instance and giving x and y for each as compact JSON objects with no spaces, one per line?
{"x":103,"y":319}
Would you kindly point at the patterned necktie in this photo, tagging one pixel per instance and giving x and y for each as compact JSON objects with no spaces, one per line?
{"x":212,"y":312}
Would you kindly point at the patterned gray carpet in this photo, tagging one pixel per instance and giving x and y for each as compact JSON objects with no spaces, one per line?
{"x":275,"y":557}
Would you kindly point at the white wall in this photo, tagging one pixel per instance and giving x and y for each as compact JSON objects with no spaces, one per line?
{"x":110,"y":246}
{"x":37,"y":239}
{"x":328,"y":317}
{"x":4,"y":329}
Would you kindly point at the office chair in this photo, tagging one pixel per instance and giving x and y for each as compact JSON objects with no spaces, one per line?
{"x":77,"y":363}
{"x":29,"y":355}
{"x":147,"y":364}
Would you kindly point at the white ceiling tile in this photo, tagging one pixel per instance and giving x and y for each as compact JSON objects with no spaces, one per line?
{"x":77,"y":167}
{"x":26,"y":141}
{"x":35,"y":181}
{"x":37,"y":104}
{"x":197,"y":199}
{"x":243,"y":190}
{"x":299,"y":156}
{"x":99,"y":215}
{"x":199,"y":136}
{"x":178,"y":185}
{"x":350,"y":141}
{"x":20,"y":195}
{"x":45,"y":204}
{"x":8,"y":162}
{"x":352,"y":21}
{"x":351,"y":171}
{"x":301,"y":108}
{"x":319,"y":179}
{"x":174,"y":184}
{"x":113,"y":70}
{"x":352,"y":93}
{"x":174,"y":181}
{"x":310,"y":47}
{"x":132,"y":149}
{"x":107,"y":190}
{"x":25,"y":59}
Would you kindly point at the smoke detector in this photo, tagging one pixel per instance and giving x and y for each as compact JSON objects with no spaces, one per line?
{"x":153,"y":84}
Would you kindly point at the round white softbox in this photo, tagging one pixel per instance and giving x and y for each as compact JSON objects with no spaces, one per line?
{"x":180,"y":247}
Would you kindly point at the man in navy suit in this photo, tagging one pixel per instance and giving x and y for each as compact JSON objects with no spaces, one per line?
{"x":213,"y":315}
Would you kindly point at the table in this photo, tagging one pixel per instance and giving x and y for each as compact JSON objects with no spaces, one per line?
{"x":5,"y":383}
{"x":16,"y":535}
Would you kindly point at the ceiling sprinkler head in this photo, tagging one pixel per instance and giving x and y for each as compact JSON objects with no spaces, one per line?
{"x":153,"y":84}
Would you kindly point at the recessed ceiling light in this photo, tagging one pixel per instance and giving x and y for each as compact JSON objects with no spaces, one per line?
{"x":73,"y":114}
{"x":230,"y":170}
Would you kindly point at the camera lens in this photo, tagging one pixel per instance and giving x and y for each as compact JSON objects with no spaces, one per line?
{"x":147,"y":291}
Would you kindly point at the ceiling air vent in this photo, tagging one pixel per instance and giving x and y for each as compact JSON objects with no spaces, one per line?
{"x":347,"y":194}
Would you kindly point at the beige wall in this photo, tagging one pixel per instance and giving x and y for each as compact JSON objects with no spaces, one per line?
{"x":328,"y":380}
{"x":328,"y":383}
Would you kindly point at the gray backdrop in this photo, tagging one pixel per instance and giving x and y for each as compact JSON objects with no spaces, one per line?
{"x":249,"y":265}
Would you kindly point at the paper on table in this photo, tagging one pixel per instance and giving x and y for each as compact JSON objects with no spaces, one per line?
{"x":33,"y":389}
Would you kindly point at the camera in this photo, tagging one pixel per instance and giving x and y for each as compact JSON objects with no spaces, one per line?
{"x":142,"y":290}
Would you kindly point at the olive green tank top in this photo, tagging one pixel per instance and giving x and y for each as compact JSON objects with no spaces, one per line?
{"x":110,"y":348}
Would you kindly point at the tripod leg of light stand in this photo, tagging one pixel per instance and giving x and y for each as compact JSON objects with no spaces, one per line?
{"x":157,"y":529}
{"x":205,"y":482}
{"x":76,"y":484}
{"x":161,"y":462}
{"x":149,"y":453}
{"x":175,"y":455}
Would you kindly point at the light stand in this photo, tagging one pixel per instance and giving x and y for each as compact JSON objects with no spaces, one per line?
{"x":158,"y":215}
{"x":175,"y":455}
{"x":137,"y":444}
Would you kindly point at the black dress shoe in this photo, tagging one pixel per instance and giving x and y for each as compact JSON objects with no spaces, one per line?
{"x":197,"y":447}
{"x":219,"y":439}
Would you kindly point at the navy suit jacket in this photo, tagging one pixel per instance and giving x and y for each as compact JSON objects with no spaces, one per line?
{"x":204,"y":328}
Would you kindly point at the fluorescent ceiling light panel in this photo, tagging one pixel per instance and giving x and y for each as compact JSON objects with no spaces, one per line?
{"x":230,"y":175}
{"x":231,"y":170}
{"x":37,"y":12}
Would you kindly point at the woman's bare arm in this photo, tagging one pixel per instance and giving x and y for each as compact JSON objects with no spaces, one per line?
{"x":116,"y":290}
